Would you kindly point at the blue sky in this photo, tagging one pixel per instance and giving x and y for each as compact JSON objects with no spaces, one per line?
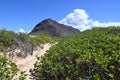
{"x":81,"y":14}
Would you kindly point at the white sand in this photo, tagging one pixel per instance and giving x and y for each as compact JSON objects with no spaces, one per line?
{"x":28,"y":63}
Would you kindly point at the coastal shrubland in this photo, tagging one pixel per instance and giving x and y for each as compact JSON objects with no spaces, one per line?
{"x":89,"y":55}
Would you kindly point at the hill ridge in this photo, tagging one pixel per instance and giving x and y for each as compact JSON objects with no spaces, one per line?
{"x":53,"y":28}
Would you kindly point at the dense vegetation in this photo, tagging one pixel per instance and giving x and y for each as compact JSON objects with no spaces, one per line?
{"x":90,"y":55}
{"x":41,"y":39}
{"x":6,"y":39}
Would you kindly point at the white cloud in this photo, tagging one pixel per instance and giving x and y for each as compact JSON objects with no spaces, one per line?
{"x":29,"y":31}
{"x":98,"y":24}
{"x":21,"y":30}
{"x":79,"y":19}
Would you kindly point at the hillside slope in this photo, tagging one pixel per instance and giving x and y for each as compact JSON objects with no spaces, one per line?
{"x":20,"y":44}
{"x":54,"y":29}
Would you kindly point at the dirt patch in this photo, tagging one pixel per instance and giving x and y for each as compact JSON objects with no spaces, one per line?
{"x":25,"y":64}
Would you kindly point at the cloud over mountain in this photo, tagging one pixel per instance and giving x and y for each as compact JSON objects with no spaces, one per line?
{"x":80,"y":19}
{"x":21,"y":30}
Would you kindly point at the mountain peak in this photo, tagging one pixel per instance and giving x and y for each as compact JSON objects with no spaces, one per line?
{"x":48,"y":20}
{"x":53,"y":28}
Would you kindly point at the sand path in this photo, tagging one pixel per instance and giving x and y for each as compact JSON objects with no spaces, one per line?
{"x":28,"y":63}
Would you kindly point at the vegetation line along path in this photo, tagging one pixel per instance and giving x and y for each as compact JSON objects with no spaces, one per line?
{"x":28,"y":63}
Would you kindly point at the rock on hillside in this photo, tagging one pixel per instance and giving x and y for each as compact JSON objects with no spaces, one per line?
{"x":53,"y":28}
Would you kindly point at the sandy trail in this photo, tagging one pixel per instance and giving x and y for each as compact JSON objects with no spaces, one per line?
{"x":28,"y":63}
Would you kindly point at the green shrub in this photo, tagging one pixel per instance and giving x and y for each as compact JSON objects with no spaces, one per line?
{"x":6,"y":39}
{"x":8,"y":69}
{"x":90,"y":55}
{"x":41,"y":39}
{"x":23,"y":36}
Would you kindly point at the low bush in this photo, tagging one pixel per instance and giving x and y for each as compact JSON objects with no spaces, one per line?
{"x":6,"y":39}
{"x":8,"y":69}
